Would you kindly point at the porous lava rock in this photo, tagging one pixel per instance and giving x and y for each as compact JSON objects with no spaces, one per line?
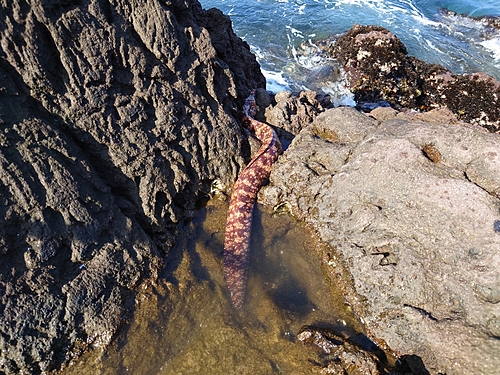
{"x":114,"y":117}
{"x":290,"y":113}
{"x":378,"y":68}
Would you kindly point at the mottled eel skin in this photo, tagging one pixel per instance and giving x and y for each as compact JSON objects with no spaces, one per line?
{"x":239,"y":216}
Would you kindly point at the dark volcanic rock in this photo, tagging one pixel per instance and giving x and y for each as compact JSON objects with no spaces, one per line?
{"x":114,"y":117}
{"x":378,"y":68}
{"x":340,"y":352}
{"x":289,"y":113}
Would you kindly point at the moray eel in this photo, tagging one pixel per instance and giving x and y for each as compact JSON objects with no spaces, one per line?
{"x":239,"y":216}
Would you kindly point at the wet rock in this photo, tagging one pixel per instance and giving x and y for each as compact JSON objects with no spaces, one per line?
{"x":371,"y":106}
{"x":114,"y":117}
{"x":409,"y":210}
{"x":378,"y":68}
{"x":342,"y":353}
{"x":336,"y":355}
{"x":490,"y":22}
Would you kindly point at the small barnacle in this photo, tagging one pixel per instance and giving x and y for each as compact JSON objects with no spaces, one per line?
{"x":217,"y":190}
{"x":283,"y":208}
{"x":431,"y":152}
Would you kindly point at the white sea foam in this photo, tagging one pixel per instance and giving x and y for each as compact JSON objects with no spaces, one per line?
{"x":275,"y":81}
{"x":309,"y":61}
{"x":339,"y":94}
{"x":493,"y":45}
{"x":295,"y":32}
{"x":432,"y":46}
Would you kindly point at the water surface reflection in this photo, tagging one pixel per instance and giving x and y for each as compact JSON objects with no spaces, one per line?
{"x":187,"y":324}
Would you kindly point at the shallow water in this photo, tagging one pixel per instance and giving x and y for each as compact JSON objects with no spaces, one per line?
{"x":187,"y":325}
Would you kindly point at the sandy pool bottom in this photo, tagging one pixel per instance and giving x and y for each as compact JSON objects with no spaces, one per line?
{"x":187,"y":325}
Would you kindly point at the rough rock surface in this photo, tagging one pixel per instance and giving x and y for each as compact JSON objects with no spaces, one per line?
{"x":289,"y":113}
{"x":410,"y":209}
{"x":378,"y":68}
{"x":114,"y":116}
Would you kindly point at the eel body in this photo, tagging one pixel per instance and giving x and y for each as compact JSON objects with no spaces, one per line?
{"x":239,"y":217}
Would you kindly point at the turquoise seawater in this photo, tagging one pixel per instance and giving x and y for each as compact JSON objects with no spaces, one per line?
{"x":276,"y":30}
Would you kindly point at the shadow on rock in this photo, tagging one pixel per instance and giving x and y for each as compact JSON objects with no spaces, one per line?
{"x":342,"y":351}
{"x":104,"y":149}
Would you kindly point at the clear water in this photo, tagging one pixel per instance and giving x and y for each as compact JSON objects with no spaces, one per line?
{"x":187,"y":325}
{"x":276,"y":28}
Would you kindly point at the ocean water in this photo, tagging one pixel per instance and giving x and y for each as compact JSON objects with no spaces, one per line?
{"x":284,"y":35}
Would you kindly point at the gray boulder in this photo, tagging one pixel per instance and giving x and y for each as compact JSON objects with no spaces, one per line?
{"x":409,"y":210}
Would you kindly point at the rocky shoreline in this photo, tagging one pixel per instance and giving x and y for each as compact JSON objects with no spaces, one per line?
{"x":379,"y":69}
{"x":116,"y":117}
{"x":409,"y":206}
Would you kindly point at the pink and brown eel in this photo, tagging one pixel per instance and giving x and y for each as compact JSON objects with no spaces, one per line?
{"x":239,"y":216}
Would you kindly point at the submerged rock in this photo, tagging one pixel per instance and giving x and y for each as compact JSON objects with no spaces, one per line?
{"x":114,"y":117}
{"x":409,"y":207}
{"x":378,"y":68}
{"x":337,"y":355}
{"x":341,"y":353}
{"x":490,"y":23}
